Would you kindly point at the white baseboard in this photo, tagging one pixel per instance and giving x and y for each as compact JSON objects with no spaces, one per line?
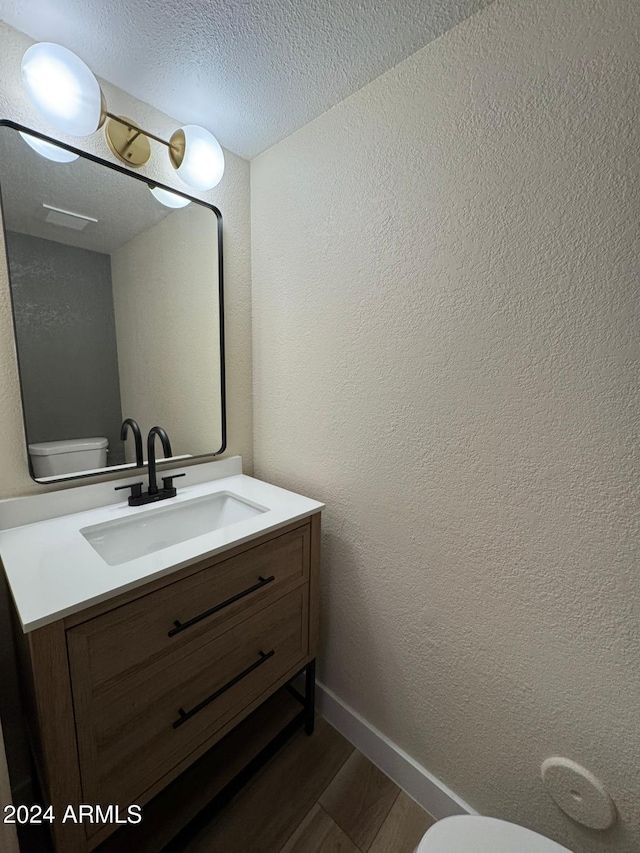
{"x":423,"y":787}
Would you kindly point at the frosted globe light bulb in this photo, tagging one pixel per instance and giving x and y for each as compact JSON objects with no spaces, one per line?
{"x":48,"y":149}
{"x":197,"y":157}
{"x":169,"y":199}
{"x":62,"y":88}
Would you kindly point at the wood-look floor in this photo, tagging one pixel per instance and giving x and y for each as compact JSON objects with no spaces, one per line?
{"x":317,"y":795}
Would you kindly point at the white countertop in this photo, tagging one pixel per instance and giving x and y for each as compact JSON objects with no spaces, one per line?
{"x":53,"y":571}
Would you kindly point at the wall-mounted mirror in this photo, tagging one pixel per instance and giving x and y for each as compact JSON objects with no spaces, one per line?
{"x":117,"y":307}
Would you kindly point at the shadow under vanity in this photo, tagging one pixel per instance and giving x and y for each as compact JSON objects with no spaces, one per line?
{"x":157,"y":643}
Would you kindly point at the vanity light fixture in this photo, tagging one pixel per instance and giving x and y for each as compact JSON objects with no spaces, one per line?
{"x":48,"y":149}
{"x":66,"y":92}
{"x":168,"y":198}
{"x":63,"y":89}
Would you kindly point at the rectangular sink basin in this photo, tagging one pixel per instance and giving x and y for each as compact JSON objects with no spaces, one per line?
{"x":128,"y":539}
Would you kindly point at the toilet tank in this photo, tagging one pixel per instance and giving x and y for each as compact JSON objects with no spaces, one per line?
{"x":71,"y":456}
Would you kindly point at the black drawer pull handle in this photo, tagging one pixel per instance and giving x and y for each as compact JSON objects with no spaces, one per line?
{"x":186,"y":715}
{"x":182,"y":626}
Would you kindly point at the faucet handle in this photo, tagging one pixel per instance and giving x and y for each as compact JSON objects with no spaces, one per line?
{"x":167,"y":482}
{"x":136,"y":489}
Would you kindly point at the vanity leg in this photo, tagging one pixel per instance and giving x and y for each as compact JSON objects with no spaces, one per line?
{"x":310,"y":697}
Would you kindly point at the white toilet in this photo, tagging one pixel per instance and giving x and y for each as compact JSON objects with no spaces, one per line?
{"x":473,"y":834}
{"x":71,"y":456}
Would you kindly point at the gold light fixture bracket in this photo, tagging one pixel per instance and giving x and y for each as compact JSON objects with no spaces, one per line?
{"x":127,"y":141}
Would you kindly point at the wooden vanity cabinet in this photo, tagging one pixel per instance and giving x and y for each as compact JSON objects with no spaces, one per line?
{"x":125,"y":695}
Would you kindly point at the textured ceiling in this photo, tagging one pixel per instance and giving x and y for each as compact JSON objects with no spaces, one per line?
{"x":252,"y":71}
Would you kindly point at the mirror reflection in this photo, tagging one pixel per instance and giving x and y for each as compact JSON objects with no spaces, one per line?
{"x":117,"y":311}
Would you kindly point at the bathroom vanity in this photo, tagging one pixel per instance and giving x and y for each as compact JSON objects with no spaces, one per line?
{"x":134,"y":668}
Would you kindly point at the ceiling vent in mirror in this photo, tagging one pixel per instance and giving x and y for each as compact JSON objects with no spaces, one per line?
{"x":66,"y":92}
{"x":66,"y":218}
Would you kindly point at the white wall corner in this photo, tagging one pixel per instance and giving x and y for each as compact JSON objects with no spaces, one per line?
{"x":423,"y":787}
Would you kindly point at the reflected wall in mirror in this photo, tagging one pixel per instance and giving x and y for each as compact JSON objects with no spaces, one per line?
{"x":117,"y":307}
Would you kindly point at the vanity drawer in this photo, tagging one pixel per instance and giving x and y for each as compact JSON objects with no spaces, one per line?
{"x":133,"y":732}
{"x":132,"y":636}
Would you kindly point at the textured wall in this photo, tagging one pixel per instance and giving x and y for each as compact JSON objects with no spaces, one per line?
{"x":231,"y":196}
{"x":445,"y":273}
{"x":66,"y":334}
{"x":170,"y":364}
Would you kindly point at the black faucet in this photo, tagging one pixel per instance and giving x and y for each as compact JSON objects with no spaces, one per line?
{"x":137,"y":496}
{"x":151,"y":454}
{"x":135,"y":429}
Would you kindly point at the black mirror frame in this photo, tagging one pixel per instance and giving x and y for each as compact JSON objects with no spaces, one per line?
{"x":223,"y":396}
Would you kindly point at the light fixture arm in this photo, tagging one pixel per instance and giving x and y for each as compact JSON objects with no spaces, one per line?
{"x":139,"y":130}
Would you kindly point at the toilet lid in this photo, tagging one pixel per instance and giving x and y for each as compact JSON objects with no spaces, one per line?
{"x":68,"y":445}
{"x":471,"y":834}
